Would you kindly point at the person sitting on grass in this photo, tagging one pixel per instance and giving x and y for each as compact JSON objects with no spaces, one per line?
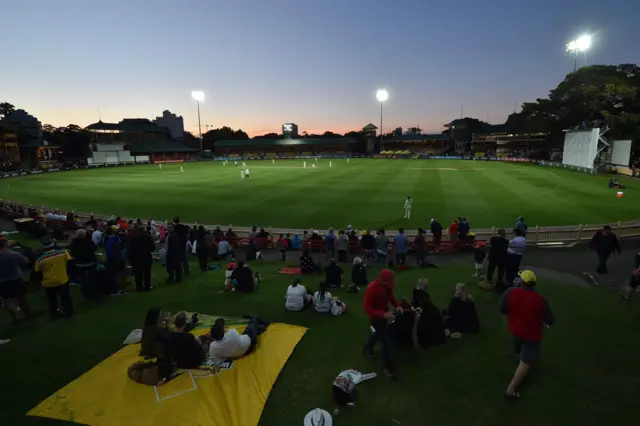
{"x":154,"y":341}
{"x":430,"y":331}
{"x":358,"y":275}
{"x":183,"y":348}
{"x":241,"y":278}
{"x":224,"y":249}
{"x":307,"y":264}
{"x":297,"y":298}
{"x":322,"y":299}
{"x":403,"y":330}
{"x":527,"y":312}
{"x":232,"y":344}
{"x":333,"y":275}
{"x":462,"y":316}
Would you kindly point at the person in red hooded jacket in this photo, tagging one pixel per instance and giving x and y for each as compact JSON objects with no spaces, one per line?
{"x":527,"y":313}
{"x":377,"y":298}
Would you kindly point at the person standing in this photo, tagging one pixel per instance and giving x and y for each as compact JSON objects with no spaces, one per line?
{"x":115,"y":263}
{"x":330,"y":244}
{"x":634,"y":281}
{"x":12,"y":288}
{"x":175,"y":251}
{"x":382,"y":246}
{"x":436,"y":230}
{"x":605,"y":243}
{"x":141,"y":248}
{"x":400,"y":247}
{"x":202,"y":249}
{"x":528,"y":313}
{"x":453,"y":230}
{"x":515,"y":250}
{"x":420,"y":247}
{"x":407,"y":208}
{"x":377,"y":298}
{"x":497,"y":256}
{"x":522,"y":225}
{"x":183,"y":235}
{"x":343,"y":246}
{"x":83,"y":252}
{"x":52,"y":265}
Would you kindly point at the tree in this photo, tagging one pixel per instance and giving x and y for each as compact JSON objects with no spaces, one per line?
{"x":210,"y":138}
{"x":599,"y":95}
{"x":6,"y":109}
{"x":269,"y":136}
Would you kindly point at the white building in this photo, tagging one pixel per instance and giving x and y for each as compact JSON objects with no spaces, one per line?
{"x":173,"y":122}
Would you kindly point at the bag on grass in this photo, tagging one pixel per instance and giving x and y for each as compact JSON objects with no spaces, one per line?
{"x":144,"y":372}
{"x":338,"y":308}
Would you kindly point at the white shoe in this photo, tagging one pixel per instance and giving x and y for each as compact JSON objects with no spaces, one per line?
{"x":3,"y":341}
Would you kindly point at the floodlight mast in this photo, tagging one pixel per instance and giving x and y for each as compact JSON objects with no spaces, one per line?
{"x":381,"y":95}
{"x":580,"y":45}
{"x":198,"y":96}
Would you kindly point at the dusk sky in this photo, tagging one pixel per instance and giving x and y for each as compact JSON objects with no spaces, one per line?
{"x":316,"y":63}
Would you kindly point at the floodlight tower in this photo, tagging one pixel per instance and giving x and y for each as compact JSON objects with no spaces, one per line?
{"x":577,"y":46}
{"x":381,"y":95}
{"x":198,"y":96}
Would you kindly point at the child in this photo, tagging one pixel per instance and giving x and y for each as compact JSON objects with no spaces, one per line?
{"x":323,"y":300}
{"x":231,"y":266}
{"x":478,"y":256}
{"x":282,"y":245}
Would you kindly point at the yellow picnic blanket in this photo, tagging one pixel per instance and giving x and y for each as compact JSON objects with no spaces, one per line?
{"x":232,"y":393}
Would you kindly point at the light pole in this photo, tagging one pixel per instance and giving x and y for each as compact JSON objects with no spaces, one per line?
{"x":199,"y":97}
{"x":381,"y":95}
{"x":577,"y":46}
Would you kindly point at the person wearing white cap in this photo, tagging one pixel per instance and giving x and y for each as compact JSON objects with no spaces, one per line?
{"x":318,"y":417}
{"x":407,"y":208}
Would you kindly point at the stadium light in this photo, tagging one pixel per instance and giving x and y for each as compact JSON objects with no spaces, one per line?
{"x":577,"y":46}
{"x":199,"y":97}
{"x":381,"y":95}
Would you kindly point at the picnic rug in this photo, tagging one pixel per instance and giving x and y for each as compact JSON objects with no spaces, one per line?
{"x":229,"y":393}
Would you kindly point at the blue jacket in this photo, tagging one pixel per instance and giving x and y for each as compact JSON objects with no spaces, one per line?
{"x":295,"y":242}
{"x":113,"y":249}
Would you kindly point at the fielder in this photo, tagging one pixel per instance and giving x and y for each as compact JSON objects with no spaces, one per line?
{"x":246,"y":173}
{"x":160,"y":166}
{"x":244,"y":164}
{"x":241,"y":174}
{"x":236,"y":163}
{"x":407,"y":208}
{"x":304,"y":164}
{"x":330,"y":165}
{"x":181,"y":169}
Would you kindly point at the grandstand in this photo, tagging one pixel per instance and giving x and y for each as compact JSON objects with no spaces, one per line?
{"x":134,"y":140}
{"x":418,"y":144}
{"x":285,"y":148}
{"x":503,"y":144}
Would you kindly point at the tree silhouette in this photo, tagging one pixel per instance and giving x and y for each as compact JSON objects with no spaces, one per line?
{"x":6,"y":109}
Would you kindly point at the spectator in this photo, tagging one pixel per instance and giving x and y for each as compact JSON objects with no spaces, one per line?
{"x":115,"y":263}
{"x":175,"y":251}
{"x":83,"y":252}
{"x":182,"y":232}
{"x":436,"y":230}
{"x":296,"y":299}
{"x":92,"y":222}
{"x":382,"y":246}
{"x":224,"y":249}
{"x":527,"y":314}
{"x":453,"y":230}
{"x":52,"y":266}
{"x":253,"y":234}
{"x":295,"y":242}
{"x":282,"y":246}
{"x":478,"y":258}
{"x":264,"y":235}
{"x":343,"y":246}
{"x":330,"y":244}
{"x":183,"y":348}
{"x":514,"y":255}
{"x":635,"y":278}
{"x":358,"y":275}
{"x":305,"y":235}
{"x":202,"y":249}
{"x":96,"y":237}
{"x":522,"y":226}
{"x":605,"y":243}
{"x":420,"y":247}
{"x":307,"y":264}
{"x":218,"y":234}
{"x":463,"y":228}
{"x":333,"y":275}
{"x":430,"y":329}
{"x":141,"y":249}
{"x":322,"y":299}
{"x":400,"y":243}
{"x":289,"y":242}
{"x":497,"y":256}
{"x":315,"y":237}
{"x":462,"y":314}
{"x":377,"y":298}
{"x":230,"y":235}
{"x":231,"y":345}
{"x":12,"y":288}
{"x":368,"y":245}
{"x":242,"y":279}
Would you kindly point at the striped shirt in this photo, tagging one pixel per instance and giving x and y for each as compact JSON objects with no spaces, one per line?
{"x":53,"y":265}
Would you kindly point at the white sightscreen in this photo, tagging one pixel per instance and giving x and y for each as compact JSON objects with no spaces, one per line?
{"x":621,"y":153}
{"x":580,"y":148}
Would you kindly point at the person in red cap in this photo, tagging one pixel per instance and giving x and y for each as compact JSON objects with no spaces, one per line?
{"x":377,"y":298}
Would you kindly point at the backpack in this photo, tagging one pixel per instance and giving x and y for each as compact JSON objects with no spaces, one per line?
{"x":338,"y":308}
{"x":146,"y":373}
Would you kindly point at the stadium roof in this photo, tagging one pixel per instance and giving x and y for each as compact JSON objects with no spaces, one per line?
{"x":150,"y":146}
{"x":430,"y":137}
{"x":128,"y":125}
{"x":284,"y":142}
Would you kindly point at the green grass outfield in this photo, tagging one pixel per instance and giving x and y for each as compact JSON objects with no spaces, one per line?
{"x":363,"y":192}
{"x":588,"y":375}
